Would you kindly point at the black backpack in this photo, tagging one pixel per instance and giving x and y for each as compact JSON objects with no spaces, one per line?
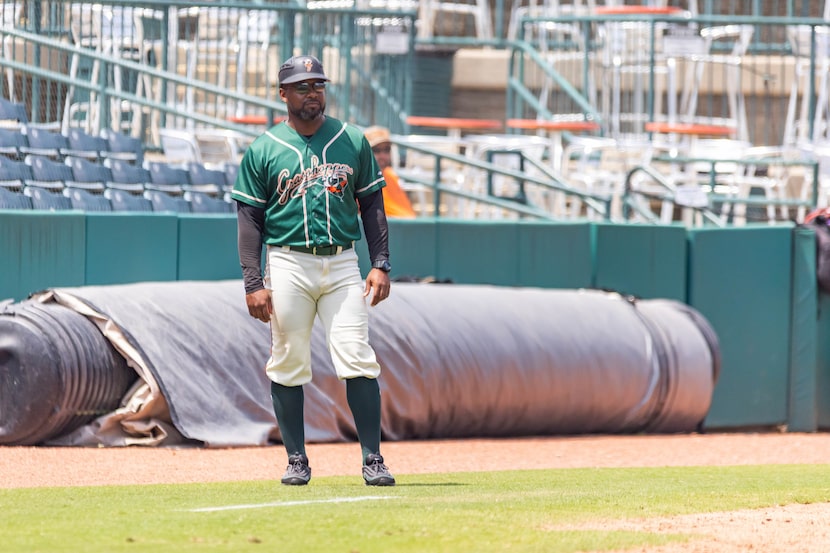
{"x":819,"y":220}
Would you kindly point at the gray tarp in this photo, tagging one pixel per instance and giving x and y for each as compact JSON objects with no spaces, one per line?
{"x":458,"y":361}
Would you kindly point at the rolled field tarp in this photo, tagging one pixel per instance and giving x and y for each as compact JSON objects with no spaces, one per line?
{"x":457,"y":361}
{"x":56,"y":373}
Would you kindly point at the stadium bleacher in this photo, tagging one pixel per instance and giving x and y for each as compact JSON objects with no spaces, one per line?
{"x":45,"y":169}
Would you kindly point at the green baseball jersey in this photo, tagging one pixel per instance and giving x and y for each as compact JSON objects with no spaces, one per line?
{"x":309,"y":186}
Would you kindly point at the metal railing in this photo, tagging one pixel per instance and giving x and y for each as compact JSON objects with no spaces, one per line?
{"x":651,"y":196}
{"x":558,"y":64}
{"x":533,"y":192}
{"x":214,"y":64}
{"x":207,"y":64}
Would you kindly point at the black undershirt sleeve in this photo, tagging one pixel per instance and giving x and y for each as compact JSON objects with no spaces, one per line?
{"x":375,"y":226}
{"x":250,"y":226}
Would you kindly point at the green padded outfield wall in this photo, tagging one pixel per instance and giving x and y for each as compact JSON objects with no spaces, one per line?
{"x":472,"y":252}
{"x":505,"y":253}
{"x":39,"y":250}
{"x":131,"y":247}
{"x":644,"y":261}
{"x":555,"y":255}
{"x":510,"y":253}
{"x":740,"y":280}
{"x":207,"y":248}
{"x":412,"y":249}
{"x":823,"y":361}
{"x":803,"y":398}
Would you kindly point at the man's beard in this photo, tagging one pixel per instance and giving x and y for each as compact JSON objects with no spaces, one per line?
{"x":309,"y":114}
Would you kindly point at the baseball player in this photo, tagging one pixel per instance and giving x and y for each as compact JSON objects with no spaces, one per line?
{"x":299,"y":188}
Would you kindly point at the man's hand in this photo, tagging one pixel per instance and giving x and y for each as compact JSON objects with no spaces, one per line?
{"x":259,"y":304}
{"x":377,"y":282}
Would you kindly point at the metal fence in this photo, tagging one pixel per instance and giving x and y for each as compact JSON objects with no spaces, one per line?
{"x":140,"y":66}
{"x":133,"y":65}
{"x":760,"y":75}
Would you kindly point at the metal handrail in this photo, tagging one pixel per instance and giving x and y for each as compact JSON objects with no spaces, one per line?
{"x":598,"y":203}
{"x":669,"y":190}
{"x":523,"y":103}
{"x":359,"y":92}
{"x":107,"y":92}
{"x":629,"y":204}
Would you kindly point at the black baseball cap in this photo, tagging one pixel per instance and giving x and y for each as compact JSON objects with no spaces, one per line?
{"x":301,"y":68}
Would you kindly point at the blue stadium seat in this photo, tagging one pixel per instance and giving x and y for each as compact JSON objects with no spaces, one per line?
{"x":205,"y":180}
{"x":13,"y":111}
{"x":84,"y":200}
{"x":123,"y":147}
{"x":44,"y":142}
{"x":11,"y":142}
{"x":14,"y":200}
{"x":203,"y":203}
{"x":14,"y":174}
{"x":231,"y":170}
{"x":166,"y":202}
{"x":88,"y":174}
{"x":122,"y":200}
{"x":87,"y":146}
{"x":46,"y":200}
{"x":168,"y":178}
{"x":49,"y":173}
{"x":127,"y":176}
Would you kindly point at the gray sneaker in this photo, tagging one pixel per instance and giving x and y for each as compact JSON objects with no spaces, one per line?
{"x":375,"y":472}
{"x":298,"y":472}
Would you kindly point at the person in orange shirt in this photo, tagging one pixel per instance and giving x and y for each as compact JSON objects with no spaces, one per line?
{"x":395,"y":200}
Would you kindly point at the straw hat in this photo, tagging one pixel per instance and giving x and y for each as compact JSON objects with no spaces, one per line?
{"x":377,"y":135}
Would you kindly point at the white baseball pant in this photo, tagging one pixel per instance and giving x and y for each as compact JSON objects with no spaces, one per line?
{"x":304,"y":285}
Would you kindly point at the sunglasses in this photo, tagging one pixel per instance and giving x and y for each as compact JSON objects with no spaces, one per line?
{"x":382,"y":149}
{"x":305,"y":88}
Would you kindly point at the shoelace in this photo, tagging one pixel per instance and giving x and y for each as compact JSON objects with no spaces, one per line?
{"x":377,"y":465}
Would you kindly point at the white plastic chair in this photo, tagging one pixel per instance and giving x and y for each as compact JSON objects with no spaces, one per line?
{"x":422,"y":166}
{"x":478,"y":10}
{"x":10,"y":14}
{"x":625,"y":63}
{"x":106,"y":30}
{"x":255,"y":30}
{"x":179,"y":146}
{"x":552,"y":39}
{"x":820,"y":152}
{"x":776,"y":178}
{"x":543,"y":8}
{"x":507,"y":151}
{"x":220,"y":146}
{"x":797,"y":127}
{"x":599,"y":165}
{"x":151,"y":36}
{"x":218,"y":50}
{"x":731,"y":62}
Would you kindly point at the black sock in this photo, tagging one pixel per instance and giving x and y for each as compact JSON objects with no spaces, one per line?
{"x":363,"y":395}
{"x":288,"y":407}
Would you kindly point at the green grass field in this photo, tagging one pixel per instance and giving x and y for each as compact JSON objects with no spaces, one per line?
{"x":461,"y":512}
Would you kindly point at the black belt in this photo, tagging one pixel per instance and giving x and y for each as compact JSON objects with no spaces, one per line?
{"x":320,"y":250}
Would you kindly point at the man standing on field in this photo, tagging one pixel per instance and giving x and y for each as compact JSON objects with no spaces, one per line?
{"x":299,"y":190}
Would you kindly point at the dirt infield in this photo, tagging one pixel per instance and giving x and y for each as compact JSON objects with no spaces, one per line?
{"x":800,"y":528}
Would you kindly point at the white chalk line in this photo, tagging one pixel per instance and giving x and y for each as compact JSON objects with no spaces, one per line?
{"x":286,"y":504}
